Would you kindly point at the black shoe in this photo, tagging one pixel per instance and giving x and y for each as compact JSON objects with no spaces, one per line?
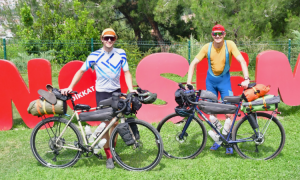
{"x":110,"y":163}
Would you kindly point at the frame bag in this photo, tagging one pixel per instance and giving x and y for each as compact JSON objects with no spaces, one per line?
{"x":104,"y":114}
{"x":216,"y":108}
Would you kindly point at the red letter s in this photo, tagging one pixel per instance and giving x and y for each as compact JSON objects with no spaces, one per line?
{"x":148,"y":77}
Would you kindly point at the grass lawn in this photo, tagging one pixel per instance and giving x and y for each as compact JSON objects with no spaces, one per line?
{"x":17,"y":161}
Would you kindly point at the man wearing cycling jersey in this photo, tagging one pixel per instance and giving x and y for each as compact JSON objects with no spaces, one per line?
{"x":107,"y":63}
{"x":219,"y":54}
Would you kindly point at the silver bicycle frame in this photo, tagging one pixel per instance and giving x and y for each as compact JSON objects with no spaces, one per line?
{"x":106,"y":129}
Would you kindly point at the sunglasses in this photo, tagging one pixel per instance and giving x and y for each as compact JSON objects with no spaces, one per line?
{"x":107,"y":38}
{"x":218,"y":33}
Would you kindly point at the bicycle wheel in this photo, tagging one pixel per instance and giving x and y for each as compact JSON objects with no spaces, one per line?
{"x":193,"y":141}
{"x":142,"y":156}
{"x":49,"y":149}
{"x":270,"y":142}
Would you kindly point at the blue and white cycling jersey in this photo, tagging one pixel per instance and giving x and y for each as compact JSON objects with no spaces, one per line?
{"x":108,"y":67}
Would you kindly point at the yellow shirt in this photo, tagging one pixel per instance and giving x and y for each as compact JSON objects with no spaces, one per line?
{"x":217,"y":56}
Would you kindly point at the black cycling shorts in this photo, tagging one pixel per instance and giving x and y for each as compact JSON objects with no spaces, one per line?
{"x":104,"y":95}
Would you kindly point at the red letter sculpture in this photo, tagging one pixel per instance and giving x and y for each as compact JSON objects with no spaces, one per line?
{"x":14,"y":89}
{"x":274,"y":69}
{"x":148,"y":76}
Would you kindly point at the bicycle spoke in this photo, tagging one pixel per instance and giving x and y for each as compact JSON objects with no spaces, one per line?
{"x":145,"y":154}
{"x":190,"y":145}
{"x":52,"y":150}
{"x":265,"y":144}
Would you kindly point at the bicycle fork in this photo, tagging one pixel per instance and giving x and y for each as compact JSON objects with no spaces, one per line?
{"x":188,"y":122}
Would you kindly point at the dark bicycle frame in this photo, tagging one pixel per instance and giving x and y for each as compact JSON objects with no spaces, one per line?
{"x":224,"y":140}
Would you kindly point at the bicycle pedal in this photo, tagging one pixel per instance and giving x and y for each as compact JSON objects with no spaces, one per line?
{"x":54,"y":159}
{"x":100,"y":156}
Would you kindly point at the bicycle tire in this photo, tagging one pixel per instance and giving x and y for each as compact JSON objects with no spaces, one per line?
{"x":266,"y":148}
{"x":193,"y":143}
{"x":146,"y":156}
{"x":44,"y":148}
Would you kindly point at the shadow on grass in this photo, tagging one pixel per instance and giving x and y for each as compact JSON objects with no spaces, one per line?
{"x":19,"y":123}
{"x":288,"y":110}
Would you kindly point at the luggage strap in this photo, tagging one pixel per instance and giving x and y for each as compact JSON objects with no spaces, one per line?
{"x":265,"y":104}
{"x":38,"y":105}
{"x":250,"y":105}
{"x":45,"y":107}
{"x":255,"y":91}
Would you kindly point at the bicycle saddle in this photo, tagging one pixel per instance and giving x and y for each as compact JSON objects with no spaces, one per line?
{"x":49,"y":96}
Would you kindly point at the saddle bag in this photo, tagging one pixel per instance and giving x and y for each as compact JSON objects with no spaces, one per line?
{"x":265,"y":103}
{"x":41,"y":107}
{"x":255,"y":92}
{"x":105,"y":114}
{"x":216,"y":108}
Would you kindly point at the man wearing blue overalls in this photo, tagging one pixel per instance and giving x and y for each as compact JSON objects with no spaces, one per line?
{"x":219,"y":54}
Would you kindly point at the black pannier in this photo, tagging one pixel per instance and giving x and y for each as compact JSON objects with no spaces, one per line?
{"x":216,"y":108}
{"x":125,"y":133}
{"x":133,"y":127}
{"x":105,"y":114}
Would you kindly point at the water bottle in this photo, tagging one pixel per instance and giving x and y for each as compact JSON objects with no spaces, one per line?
{"x":99,"y":145}
{"x":226,"y":126}
{"x":215,"y":122}
{"x":215,"y":137}
{"x":98,"y":130}
{"x":88,"y":133}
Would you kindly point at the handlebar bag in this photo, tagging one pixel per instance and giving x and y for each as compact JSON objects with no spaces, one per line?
{"x":135,"y":104}
{"x":265,"y":103}
{"x":115,"y":100}
{"x":216,"y":108}
{"x":41,"y":107}
{"x":179,"y":100}
{"x":255,"y":92}
{"x":105,"y":114}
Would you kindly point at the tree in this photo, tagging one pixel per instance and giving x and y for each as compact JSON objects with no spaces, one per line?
{"x":265,"y":20}
{"x":148,"y":19}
